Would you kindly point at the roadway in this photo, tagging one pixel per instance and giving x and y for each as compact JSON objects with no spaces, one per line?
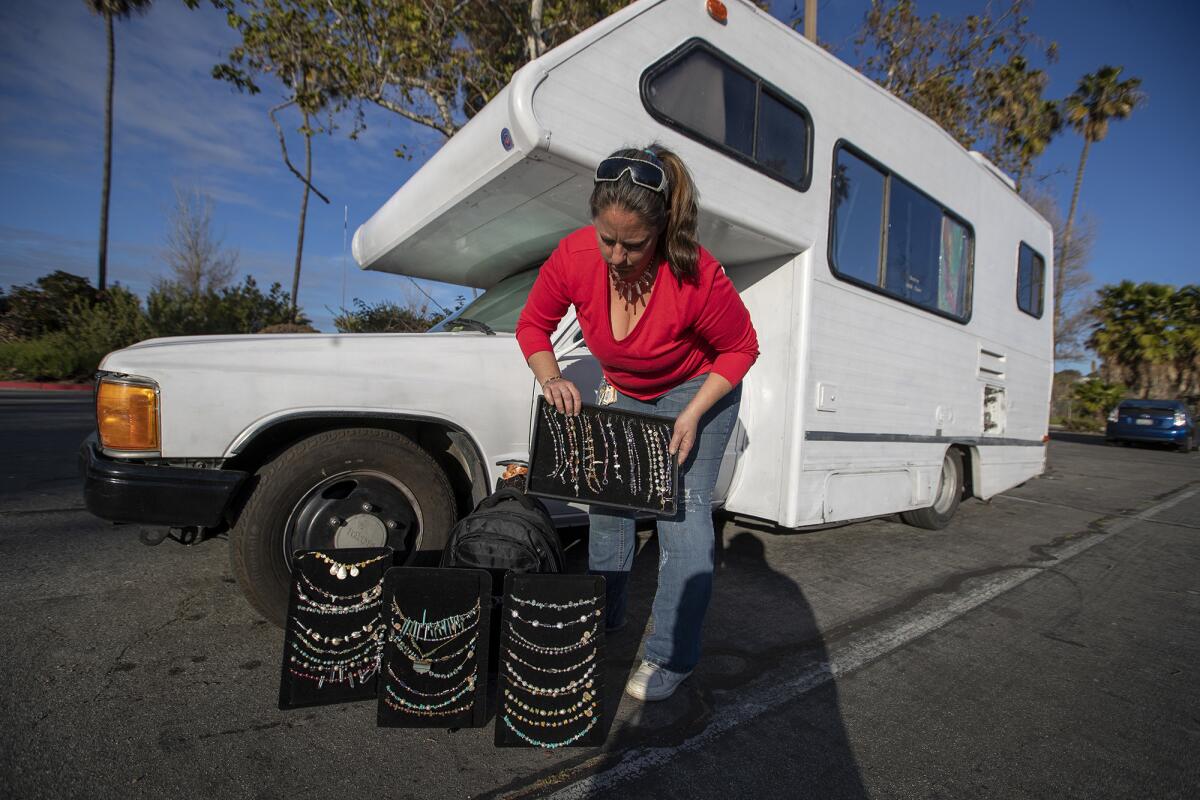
{"x":1043,"y":645}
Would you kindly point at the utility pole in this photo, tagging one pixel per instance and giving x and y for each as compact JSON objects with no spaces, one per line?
{"x":810,"y":20}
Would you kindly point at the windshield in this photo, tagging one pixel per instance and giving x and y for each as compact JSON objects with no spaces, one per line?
{"x":498,"y":307}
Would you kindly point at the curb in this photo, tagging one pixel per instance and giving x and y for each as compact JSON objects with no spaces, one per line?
{"x":46,"y":387}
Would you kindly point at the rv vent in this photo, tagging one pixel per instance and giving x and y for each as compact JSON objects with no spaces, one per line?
{"x":991,"y":364}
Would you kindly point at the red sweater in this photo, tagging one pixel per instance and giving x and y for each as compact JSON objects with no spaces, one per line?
{"x":687,"y":329}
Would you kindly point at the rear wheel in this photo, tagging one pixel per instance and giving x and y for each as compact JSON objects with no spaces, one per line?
{"x":351,"y":487}
{"x":947,"y":498}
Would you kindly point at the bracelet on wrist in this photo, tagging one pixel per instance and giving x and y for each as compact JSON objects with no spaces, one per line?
{"x":549,"y":381}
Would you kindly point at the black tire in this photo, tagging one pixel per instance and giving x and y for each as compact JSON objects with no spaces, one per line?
{"x":945,"y":503}
{"x":323,"y":477}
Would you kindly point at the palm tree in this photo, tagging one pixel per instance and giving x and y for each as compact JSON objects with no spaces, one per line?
{"x":1101,"y":96}
{"x":1133,"y":332}
{"x":110,"y":10}
{"x":1042,"y":123}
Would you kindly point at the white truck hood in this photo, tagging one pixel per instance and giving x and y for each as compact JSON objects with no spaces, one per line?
{"x":216,"y":391}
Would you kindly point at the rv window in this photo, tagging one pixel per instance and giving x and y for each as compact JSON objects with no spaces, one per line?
{"x":1031,"y":278}
{"x":927,"y":250}
{"x":708,"y":97}
{"x":857,"y":228}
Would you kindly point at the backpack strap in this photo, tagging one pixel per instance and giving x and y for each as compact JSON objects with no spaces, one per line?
{"x":502,"y":495}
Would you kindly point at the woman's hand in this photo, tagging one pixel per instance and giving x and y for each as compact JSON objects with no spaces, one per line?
{"x":562,"y":394}
{"x":683,"y":439}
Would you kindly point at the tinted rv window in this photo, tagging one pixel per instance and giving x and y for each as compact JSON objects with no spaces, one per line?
{"x":857,"y":217}
{"x":927,"y":250}
{"x":1031,"y":280}
{"x":708,"y":97}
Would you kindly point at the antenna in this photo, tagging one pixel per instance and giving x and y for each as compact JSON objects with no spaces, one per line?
{"x":345,"y":223}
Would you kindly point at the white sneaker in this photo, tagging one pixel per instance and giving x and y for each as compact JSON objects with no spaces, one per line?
{"x":652,"y":682}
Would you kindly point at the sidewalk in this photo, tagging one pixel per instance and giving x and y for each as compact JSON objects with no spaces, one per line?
{"x":45,"y":387}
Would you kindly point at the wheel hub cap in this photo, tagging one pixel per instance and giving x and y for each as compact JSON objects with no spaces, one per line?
{"x":361,"y":530}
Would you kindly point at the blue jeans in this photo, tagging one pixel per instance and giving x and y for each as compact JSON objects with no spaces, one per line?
{"x":685,"y":541}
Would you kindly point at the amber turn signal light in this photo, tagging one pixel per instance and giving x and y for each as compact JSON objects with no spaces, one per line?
{"x":127,"y":416}
{"x":717,"y":10}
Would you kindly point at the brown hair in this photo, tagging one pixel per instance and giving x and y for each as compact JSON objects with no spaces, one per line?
{"x":672,"y":215}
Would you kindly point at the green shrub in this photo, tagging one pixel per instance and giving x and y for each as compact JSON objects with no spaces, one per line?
{"x":385,"y":317}
{"x":116,"y":320}
{"x":175,"y":310}
{"x":39,"y":308}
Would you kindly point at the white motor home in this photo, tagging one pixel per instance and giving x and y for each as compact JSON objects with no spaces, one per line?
{"x":897,"y":282}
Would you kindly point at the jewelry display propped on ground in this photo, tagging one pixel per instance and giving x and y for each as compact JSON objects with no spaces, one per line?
{"x":334,"y":633}
{"x":605,"y":457}
{"x":434,"y":670}
{"x":551,"y":687}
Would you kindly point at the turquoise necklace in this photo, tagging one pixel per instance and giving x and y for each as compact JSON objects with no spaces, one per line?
{"x":549,"y":745}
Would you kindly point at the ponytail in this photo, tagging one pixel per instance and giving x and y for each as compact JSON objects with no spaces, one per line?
{"x":673,"y":214}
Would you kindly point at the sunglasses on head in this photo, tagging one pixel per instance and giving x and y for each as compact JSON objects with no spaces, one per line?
{"x":644,"y":173}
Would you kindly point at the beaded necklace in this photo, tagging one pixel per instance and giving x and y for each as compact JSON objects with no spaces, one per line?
{"x":468,"y":681}
{"x":589,"y":455}
{"x":431,"y":630}
{"x":347,"y":664}
{"x":585,"y":637}
{"x":558,"y":712}
{"x":425,"y":713}
{"x":370,"y":641}
{"x":539,"y":624}
{"x":340,"y":570}
{"x":370,"y":594}
{"x":616,"y":450}
{"x":551,"y":723}
{"x":551,"y":670}
{"x":586,"y":601}
{"x":418,"y":708}
{"x":321,"y":607}
{"x":367,"y":629}
{"x":584,"y":680}
{"x":413,"y":653}
{"x":423,"y":666}
{"x":560,"y":447}
{"x":549,"y":745}
{"x":337,"y":675}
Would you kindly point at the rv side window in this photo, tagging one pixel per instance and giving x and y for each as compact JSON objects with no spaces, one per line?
{"x":892,"y":237}
{"x":706,"y":96}
{"x":1031,"y":280}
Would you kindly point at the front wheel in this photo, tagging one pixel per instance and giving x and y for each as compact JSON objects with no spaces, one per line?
{"x":945,"y":503}
{"x":350,"y":487}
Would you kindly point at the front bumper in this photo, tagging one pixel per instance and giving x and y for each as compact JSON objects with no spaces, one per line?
{"x":155,"y":495}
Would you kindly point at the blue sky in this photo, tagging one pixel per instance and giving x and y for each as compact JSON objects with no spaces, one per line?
{"x":177,"y":127}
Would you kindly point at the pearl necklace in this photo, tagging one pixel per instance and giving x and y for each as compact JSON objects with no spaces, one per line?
{"x":340,"y":570}
{"x":538,"y":624}
{"x":587,"y":697}
{"x":584,"y":680}
{"x":550,"y":670}
{"x":585,"y":637}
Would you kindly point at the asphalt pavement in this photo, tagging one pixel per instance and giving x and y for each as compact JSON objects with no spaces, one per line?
{"x":1042,"y":646}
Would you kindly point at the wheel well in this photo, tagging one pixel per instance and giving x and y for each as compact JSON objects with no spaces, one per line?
{"x":454,"y":451}
{"x":970,"y":459}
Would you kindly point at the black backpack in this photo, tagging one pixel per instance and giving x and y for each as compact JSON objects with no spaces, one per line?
{"x":508,"y":530}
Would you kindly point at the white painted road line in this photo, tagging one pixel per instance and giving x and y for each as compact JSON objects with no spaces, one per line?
{"x":846,"y":656}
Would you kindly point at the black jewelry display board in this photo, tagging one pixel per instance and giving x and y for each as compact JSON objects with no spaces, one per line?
{"x":605,"y":457}
{"x":434,"y":670}
{"x":551,"y":687}
{"x":334,"y":629}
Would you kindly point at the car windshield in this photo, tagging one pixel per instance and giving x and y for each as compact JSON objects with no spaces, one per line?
{"x":498,"y":307}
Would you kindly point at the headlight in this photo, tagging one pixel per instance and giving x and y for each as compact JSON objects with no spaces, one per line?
{"x":1112,"y":416}
{"x":127,"y":414}
{"x":1180,"y":419}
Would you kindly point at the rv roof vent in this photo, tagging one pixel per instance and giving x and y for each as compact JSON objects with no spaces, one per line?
{"x":999,"y":173}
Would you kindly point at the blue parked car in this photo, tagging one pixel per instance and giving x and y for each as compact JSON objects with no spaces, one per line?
{"x":1164,"y":421}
